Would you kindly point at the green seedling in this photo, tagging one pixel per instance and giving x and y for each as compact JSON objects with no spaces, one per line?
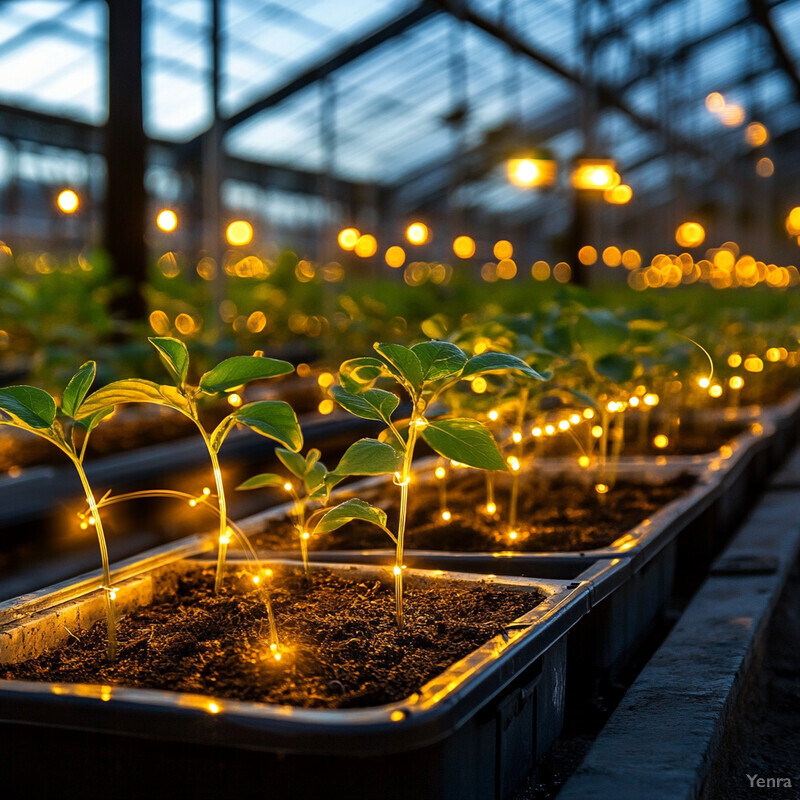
{"x":424,"y":372}
{"x":306,"y":484}
{"x":68,"y":427}
{"x":271,"y":418}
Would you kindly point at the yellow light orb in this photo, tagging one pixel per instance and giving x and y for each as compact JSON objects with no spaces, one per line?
{"x":532,"y":171}
{"x":753,"y":364}
{"x":491,"y":508}
{"x":234,"y":399}
{"x":756,"y":134}
{"x":479,"y":385}
{"x":619,"y":195}
{"x":239,"y":233}
{"x":690,"y":234}
{"x":503,"y":249}
{"x":167,"y":220}
{"x":584,"y":461}
{"x":793,"y":221}
{"x":67,"y":201}
{"x":446,"y":516}
{"x":715,"y":102}
{"x":601,"y":488}
{"x":417,"y":233}
{"x":326,"y":406}
{"x":464,"y":246}
{"x":540,"y":270}
{"x":734,"y":360}
{"x":587,"y":255}
{"x":395,"y":257}
{"x":765,"y":168}
{"x":612,"y":257}
{"x":348,"y":237}
{"x":366,"y":246}
{"x":597,"y":431}
{"x":715,"y":390}
{"x":661,"y":441}
{"x":441,"y":473}
{"x":732,"y":115}
{"x":595,"y":174}
{"x":736,"y":382}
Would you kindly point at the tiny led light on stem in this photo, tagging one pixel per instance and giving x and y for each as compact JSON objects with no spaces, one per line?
{"x":574,"y":419}
{"x":703,"y":383}
{"x":583,"y":461}
{"x":651,"y":399}
{"x":446,"y":515}
{"x":588,"y":413}
{"x":512,"y":534}
{"x":491,"y":508}
{"x":536,"y":431}
{"x":736,"y":382}
{"x":715,"y":390}
{"x":516,"y":437}
{"x":601,"y":488}
{"x":234,"y":399}
{"x":563,"y":425}
{"x":441,"y":473}
{"x":549,"y":429}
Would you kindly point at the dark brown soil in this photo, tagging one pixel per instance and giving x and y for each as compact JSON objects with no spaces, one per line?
{"x":693,"y":438}
{"x":343,"y":648}
{"x":562,"y":515}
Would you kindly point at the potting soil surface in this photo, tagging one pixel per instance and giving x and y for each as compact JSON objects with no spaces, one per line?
{"x":340,"y":647}
{"x":562,"y":515}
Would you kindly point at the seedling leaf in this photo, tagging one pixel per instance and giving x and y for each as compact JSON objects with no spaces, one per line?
{"x":32,"y":406}
{"x":174,"y":356}
{"x":266,"y":480}
{"x":466,"y":441}
{"x":369,"y":457}
{"x":77,"y":388}
{"x":371,"y":404}
{"x":273,"y":419}
{"x":498,"y":362}
{"x":348,"y":511}
{"x":439,"y":359}
{"x":238,"y":370}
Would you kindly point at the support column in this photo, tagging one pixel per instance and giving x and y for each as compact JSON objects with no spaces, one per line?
{"x":125,"y":205}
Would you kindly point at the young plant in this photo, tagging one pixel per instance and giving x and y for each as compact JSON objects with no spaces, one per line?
{"x":35,"y":411}
{"x":423,"y":371}
{"x":311,"y":474}
{"x":271,"y":418}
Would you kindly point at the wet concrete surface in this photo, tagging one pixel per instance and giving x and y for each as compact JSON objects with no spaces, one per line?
{"x":764,"y":737}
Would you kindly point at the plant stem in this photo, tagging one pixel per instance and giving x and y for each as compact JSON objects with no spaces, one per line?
{"x":111,"y":613}
{"x":490,"y":490}
{"x":512,"y":507}
{"x":405,"y":478}
{"x":300,"y":516}
{"x":223,"y":516}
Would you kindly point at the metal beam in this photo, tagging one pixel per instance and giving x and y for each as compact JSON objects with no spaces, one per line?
{"x":47,"y":130}
{"x":760,"y":10}
{"x":608,"y":96}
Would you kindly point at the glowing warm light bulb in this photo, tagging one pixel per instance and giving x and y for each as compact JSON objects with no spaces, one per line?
{"x":601,"y":488}
{"x":225,"y":538}
{"x":464,"y":246}
{"x":734,"y":360}
{"x":440,"y":473}
{"x":619,"y":195}
{"x":417,"y":233}
{"x":633,"y":401}
{"x":213,"y":708}
{"x":493,"y":415}
{"x":67,"y":201}
{"x":478,"y":385}
{"x":395,"y":257}
{"x":348,"y":237}
{"x":536,"y":431}
{"x":446,"y":516}
{"x":583,"y":461}
{"x":690,"y":234}
{"x":516,"y":437}
{"x":588,"y":413}
{"x":491,"y":508}
{"x":167,"y":220}
{"x":206,"y":491}
{"x":239,"y":233}
{"x":513,"y":462}
{"x":703,"y":383}
{"x":715,"y":102}
{"x":549,"y":429}
{"x":503,"y":249}
{"x":574,"y":419}
{"x":736,"y":382}
{"x":326,"y":406}
{"x":715,"y":390}
{"x":597,"y":431}
{"x":256,"y":580}
{"x":512,"y":535}
{"x":366,"y":246}
{"x":753,"y":364}
{"x":563,"y":425}
{"x":234,"y":399}
{"x":288,"y":486}
{"x":397,"y":570}
{"x":651,"y":399}
{"x":661,"y":441}
{"x":305,"y":535}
